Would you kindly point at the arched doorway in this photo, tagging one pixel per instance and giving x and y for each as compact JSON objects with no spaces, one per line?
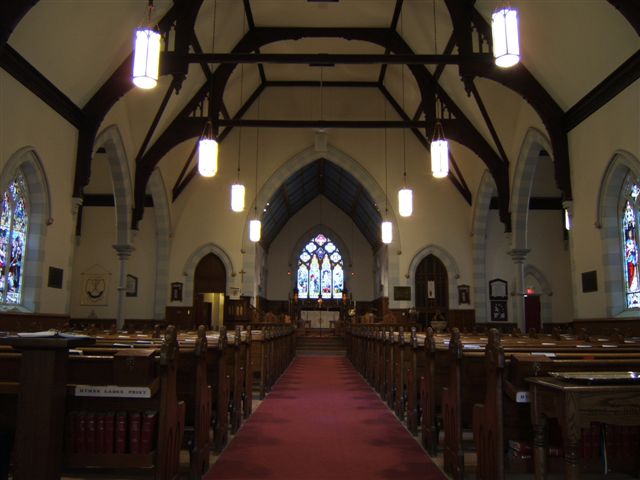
{"x":209,"y":286}
{"x":432,"y":289}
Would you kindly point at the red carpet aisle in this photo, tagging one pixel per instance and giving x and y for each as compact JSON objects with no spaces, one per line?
{"x":323,"y":422}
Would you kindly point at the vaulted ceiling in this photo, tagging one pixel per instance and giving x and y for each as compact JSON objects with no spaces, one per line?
{"x":76,"y":56}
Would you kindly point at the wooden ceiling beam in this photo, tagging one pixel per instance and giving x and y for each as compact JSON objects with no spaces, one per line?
{"x":11,"y":12}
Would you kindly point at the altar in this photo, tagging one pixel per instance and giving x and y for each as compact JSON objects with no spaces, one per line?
{"x":320,"y":318}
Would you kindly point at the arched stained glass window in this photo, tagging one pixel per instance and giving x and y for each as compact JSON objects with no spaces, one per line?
{"x":14,"y":222}
{"x":320,"y":269}
{"x":629,"y":232}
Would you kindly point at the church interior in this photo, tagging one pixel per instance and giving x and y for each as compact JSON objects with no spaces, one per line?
{"x":209,"y":204}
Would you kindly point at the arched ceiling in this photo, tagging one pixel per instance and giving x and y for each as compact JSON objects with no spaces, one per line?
{"x":76,"y":56}
{"x":322,"y":177}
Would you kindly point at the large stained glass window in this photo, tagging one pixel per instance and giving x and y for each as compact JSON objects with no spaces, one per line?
{"x":320,"y":269}
{"x":629,"y":223}
{"x":14,"y":221}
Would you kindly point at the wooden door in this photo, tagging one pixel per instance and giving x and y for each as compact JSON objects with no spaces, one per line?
{"x":432,"y":288}
{"x":532,"y":313}
{"x":210,"y":276}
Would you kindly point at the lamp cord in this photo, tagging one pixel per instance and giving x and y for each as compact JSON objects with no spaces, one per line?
{"x":386,"y":210}
{"x":404,"y":130}
{"x":240,"y":107}
{"x":255,"y":206}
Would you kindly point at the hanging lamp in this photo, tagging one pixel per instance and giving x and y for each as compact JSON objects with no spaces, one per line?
{"x":237,"y":188}
{"x":146,"y":53}
{"x":207,"y":152}
{"x":439,"y":152}
{"x":255,"y":225}
{"x":387,"y":226}
{"x":439,"y":145}
{"x":504,"y":32}
{"x":405,"y":194}
{"x":208,"y":144}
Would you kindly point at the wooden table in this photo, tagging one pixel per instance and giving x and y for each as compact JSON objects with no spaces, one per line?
{"x":41,"y":404}
{"x":575,"y":406}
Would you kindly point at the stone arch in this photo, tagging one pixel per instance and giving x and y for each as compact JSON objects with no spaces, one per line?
{"x":305,"y":237}
{"x":453,"y":272}
{"x":545,"y":296}
{"x":111,"y":141}
{"x":163,"y":242}
{"x":525,"y":170}
{"x":607,"y":220}
{"x":480,"y":218}
{"x":194,"y":259}
{"x":28,"y":163}
{"x":299,"y":161}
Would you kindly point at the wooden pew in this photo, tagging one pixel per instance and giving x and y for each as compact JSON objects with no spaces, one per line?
{"x":155,"y":371}
{"x":192,"y":383}
{"x":505,"y":414}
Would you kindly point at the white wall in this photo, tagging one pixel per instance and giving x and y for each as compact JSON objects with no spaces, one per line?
{"x":25,"y":121}
{"x":592,"y":145}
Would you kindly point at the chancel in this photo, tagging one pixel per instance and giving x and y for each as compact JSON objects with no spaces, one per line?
{"x":378,"y":220}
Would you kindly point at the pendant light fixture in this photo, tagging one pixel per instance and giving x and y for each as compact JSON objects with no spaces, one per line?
{"x":439,"y":144}
{"x":208,"y":145}
{"x":387,"y":226}
{"x":504,"y":32}
{"x":208,"y":152}
{"x":405,"y":194}
{"x":146,"y":53}
{"x":237,"y":189}
{"x":255,"y":226}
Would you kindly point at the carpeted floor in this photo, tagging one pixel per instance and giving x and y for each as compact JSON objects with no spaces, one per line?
{"x":322,"y":421}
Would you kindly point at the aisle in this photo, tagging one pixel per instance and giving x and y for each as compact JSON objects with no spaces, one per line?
{"x":323,"y":422}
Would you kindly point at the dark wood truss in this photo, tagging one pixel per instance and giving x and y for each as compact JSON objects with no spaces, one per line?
{"x":179,"y":21}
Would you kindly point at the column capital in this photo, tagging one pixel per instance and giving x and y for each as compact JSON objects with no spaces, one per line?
{"x":518,"y":255}
{"x":124,"y":250}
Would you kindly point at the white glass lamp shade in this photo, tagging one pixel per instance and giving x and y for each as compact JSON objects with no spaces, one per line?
{"x":146,"y":58}
{"x":237,"y":197}
{"x":504,"y":30}
{"x":439,"y":157}
{"x":207,"y":157}
{"x":255,"y":230}
{"x":387,"y":232}
{"x":405,"y":202}
{"x":567,"y":220}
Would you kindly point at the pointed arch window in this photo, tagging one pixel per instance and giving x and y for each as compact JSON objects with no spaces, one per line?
{"x":629,"y":234}
{"x":14,"y":222}
{"x":320,"y":269}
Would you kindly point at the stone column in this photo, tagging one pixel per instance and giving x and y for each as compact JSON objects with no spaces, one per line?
{"x":519,"y":255}
{"x":124,"y":251}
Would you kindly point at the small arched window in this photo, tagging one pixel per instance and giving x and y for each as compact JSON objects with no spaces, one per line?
{"x":629,"y":234}
{"x":14,"y":223}
{"x":320,"y":269}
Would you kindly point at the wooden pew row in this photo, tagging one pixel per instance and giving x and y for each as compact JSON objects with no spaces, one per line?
{"x":466,"y":368}
{"x":147,"y":384}
{"x":364,"y":346}
{"x":224,"y":369}
{"x":505,"y":412}
{"x":273,"y":348}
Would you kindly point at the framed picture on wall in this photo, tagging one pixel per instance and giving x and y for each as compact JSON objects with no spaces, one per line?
{"x":132,"y":286}
{"x":463,"y":294}
{"x":176,"y":292}
{"x":498,"y":310}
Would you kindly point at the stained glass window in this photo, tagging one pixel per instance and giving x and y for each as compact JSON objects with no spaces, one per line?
{"x":14,"y":222}
{"x":629,"y":224}
{"x":320,"y":269}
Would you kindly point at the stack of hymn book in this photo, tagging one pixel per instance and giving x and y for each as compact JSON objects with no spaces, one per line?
{"x":111,"y":432}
